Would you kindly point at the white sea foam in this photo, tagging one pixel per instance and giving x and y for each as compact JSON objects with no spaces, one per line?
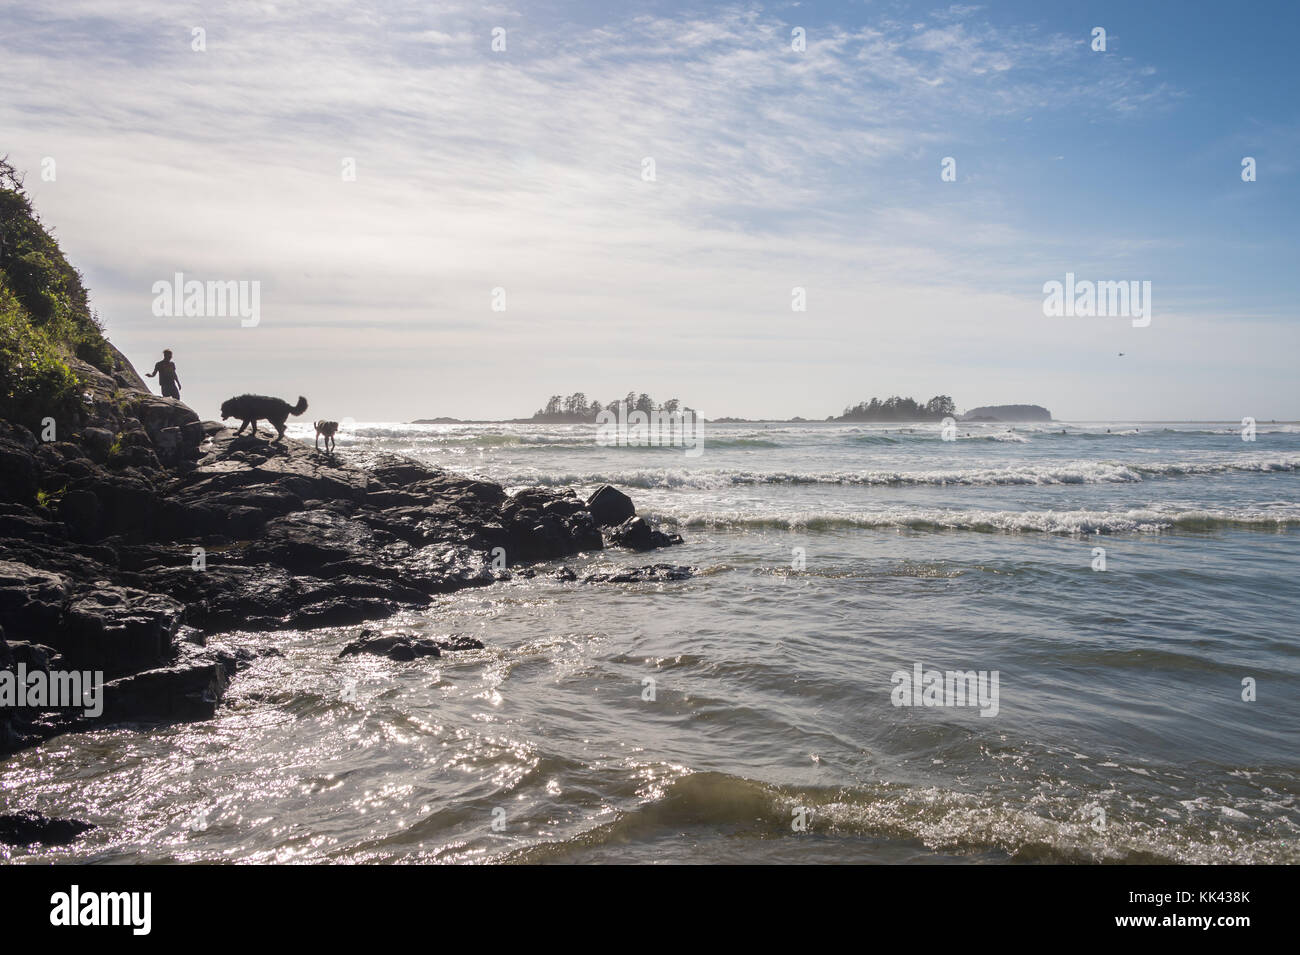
{"x":1143,"y":520}
{"x":1045,"y":473}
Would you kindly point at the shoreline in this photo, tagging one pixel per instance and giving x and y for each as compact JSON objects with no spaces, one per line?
{"x":124,"y":546}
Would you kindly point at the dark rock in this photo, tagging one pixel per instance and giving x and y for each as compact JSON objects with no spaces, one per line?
{"x":18,"y":472}
{"x":641,"y":575}
{"x":308,"y":539}
{"x":31,"y":600}
{"x":118,"y":629}
{"x":638,"y":535}
{"x":457,"y":642}
{"x":136,"y":456}
{"x":30,"y":828}
{"x":405,"y":647}
{"x":190,"y":689}
{"x":34,"y":656}
{"x":122,"y":369}
{"x":158,"y":415}
{"x":98,"y":442}
{"x":92,"y":377}
{"x":609,"y":506}
{"x":79,"y":510}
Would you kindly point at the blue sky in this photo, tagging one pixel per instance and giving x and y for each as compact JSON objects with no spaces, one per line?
{"x":522,"y":169}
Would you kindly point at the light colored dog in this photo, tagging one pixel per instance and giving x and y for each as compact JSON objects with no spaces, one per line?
{"x":326,"y":428}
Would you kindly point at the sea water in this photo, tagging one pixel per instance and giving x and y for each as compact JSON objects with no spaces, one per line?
{"x":1133,"y":586}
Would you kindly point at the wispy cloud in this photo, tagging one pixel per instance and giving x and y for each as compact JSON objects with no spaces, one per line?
{"x":523,"y":169}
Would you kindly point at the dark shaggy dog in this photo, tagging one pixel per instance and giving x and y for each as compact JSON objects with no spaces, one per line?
{"x":252,"y":408}
{"x":326,"y":428}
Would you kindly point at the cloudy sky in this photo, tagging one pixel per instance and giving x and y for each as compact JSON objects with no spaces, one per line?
{"x":774,"y":168}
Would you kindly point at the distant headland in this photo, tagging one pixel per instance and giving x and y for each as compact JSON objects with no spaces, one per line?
{"x":1008,"y":413}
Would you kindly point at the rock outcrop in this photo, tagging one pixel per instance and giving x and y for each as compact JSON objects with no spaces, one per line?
{"x":31,"y":828}
{"x":142,"y":529}
{"x":403,"y":646}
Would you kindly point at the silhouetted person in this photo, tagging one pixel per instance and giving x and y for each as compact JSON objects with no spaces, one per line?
{"x":166,"y":372}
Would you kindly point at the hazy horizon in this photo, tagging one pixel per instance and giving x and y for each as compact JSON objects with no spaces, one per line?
{"x":775,"y":169}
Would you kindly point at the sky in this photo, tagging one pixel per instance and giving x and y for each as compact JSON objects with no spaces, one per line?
{"x":524,"y":169}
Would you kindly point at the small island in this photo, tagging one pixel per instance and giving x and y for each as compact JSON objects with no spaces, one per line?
{"x":895,"y":408}
{"x":1008,"y":413}
{"x":576,"y":409}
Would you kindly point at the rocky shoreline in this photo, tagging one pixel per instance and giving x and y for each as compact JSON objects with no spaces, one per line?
{"x":128,"y":542}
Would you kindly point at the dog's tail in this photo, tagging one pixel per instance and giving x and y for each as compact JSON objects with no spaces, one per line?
{"x":300,"y":407}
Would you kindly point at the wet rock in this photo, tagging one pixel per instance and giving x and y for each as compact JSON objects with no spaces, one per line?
{"x":609,"y":506}
{"x":31,"y":828}
{"x":636,"y":534}
{"x":265,"y":597}
{"x":189,"y":689}
{"x":641,"y":575}
{"x":405,"y":647}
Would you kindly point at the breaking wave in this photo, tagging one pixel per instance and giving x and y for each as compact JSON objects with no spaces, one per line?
{"x":1047,"y":473}
{"x":1050,"y":522}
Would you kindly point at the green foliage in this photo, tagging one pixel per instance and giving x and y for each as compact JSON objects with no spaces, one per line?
{"x":35,"y":382}
{"x":576,"y":408}
{"x":45,"y":316}
{"x":46,"y":498}
{"x":895,"y":408}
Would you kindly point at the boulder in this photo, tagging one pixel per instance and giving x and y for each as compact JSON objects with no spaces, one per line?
{"x":189,"y":689}
{"x":30,"y":828}
{"x":654,"y":573}
{"x":405,"y":647}
{"x":636,"y":534}
{"x":609,"y":506}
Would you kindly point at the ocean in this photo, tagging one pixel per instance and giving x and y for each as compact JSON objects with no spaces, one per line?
{"x":1131,"y":587}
